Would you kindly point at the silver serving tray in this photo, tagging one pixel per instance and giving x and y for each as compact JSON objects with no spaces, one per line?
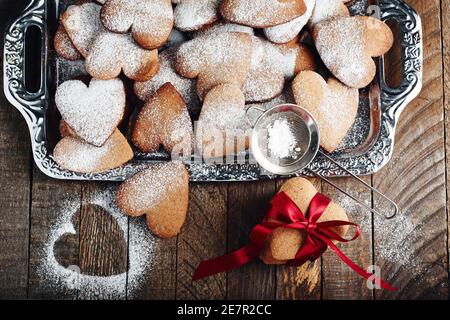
{"x":367,"y":148}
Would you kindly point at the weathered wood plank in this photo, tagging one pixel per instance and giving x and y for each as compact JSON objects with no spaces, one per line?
{"x":203,"y":237}
{"x":339,"y":281}
{"x":103,"y":248}
{"x":411,"y":249}
{"x":55,"y":207}
{"x":300,"y":283}
{"x":445,"y":16}
{"x":15,"y":174}
{"x":247,"y":203}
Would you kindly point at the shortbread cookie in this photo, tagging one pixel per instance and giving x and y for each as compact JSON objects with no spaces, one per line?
{"x":64,"y":46}
{"x":215,"y":59}
{"x":286,"y":32}
{"x":185,"y":86}
{"x":112,"y":53}
{"x":326,"y":10}
{"x":262,"y":14}
{"x":290,"y":58}
{"x":65,"y":130}
{"x":161,"y":193}
{"x":76,"y":155}
{"x":264,"y":81}
{"x":164,"y":120}
{"x":333,"y":105}
{"x":223,"y":26}
{"x":82,"y":24}
{"x":222,"y":128}
{"x":191,"y":15}
{"x":92,"y":112}
{"x":283,"y":244}
{"x":150,"y":22}
{"x":347,"y":45}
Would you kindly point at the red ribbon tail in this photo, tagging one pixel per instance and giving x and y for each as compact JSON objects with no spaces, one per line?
{"x":226,"y":262}
{"x":363,"y":273}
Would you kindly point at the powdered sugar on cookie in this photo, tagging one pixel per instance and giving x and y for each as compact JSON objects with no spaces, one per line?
{"x":92,"y":112}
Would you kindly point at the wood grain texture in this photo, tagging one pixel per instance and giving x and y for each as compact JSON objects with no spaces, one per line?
{"x":445,"y":14}
{"x":338,"y":280}
{"x":203,"y":237}
{"x":410,"y":249}
{"x":300,"y":283}
{"x":52,"y":199}
{"x":247,"y":203}
{"x":103,"y":243}
{"x":15,"y":173}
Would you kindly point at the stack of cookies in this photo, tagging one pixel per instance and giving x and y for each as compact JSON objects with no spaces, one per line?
{"x":205,"y":61}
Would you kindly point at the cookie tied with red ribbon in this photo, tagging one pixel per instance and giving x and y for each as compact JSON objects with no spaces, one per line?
{"x":299,"y":226}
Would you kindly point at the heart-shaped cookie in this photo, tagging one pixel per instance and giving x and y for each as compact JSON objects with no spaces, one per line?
{"x":347,"y":45}
{"x":222,"y":128}
{"x":107,"y":54}
{"x":191,"y":15}
{"x":262,"y":13}
{"x":150,"y":22}
{"x":327,"y":9}
{"x":333,"y":105}
{"x":93,"y":112}
{"x":286,"y":32}
{"x":161,"y":193}
{"x":76,"y":155}
{"x":82,"y":24}
{"x":215,"y":59}
{"x":164,"y":120}
{"x":64,"y":46}
{"x":284,"y":243}
{"x":167,"y":73}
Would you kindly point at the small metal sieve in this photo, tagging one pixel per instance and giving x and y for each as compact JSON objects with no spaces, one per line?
{"x":303,"y":148}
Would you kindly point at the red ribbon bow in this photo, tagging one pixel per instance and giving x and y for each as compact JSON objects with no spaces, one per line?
{"x":283,"y":212}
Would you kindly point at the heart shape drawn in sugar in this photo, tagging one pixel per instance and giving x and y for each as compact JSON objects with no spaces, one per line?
{"x":164,"y":120}
{"x":222,"y":128}
{"x":160,"y":192}
{"x":332,"y":104}
{"x":262,"y":13}
{"x":347,"y":45}
{"x":284,"y":243}
{"x":215,"y":59}
{"x":150,"y":22}
{"x":93,"y":112}
{"x":191,"y":15}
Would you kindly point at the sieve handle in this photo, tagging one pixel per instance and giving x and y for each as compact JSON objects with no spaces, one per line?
{"x":247,"y":113}
{"x":394,"y":205}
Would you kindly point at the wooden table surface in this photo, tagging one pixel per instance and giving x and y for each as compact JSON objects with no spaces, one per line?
{"x":411,"y":250}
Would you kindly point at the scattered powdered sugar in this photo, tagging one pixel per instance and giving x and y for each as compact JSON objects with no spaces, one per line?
{"x":64,"y":46}
{"x":140,"y":258}
{"x":282,"y":58}
{"x":286,"y":32}
{"x":281,"y":141}
{"x":223,"y":26}
{"x":191,"y":15}
{"x":93,"y":112}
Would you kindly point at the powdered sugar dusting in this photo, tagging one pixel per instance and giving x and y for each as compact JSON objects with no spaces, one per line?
{"x":93,"y":112}
{"x":286,"y":32}
{"x":191,"y":15}
{"x":167,"y":73}
{"x":140,"y":256}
